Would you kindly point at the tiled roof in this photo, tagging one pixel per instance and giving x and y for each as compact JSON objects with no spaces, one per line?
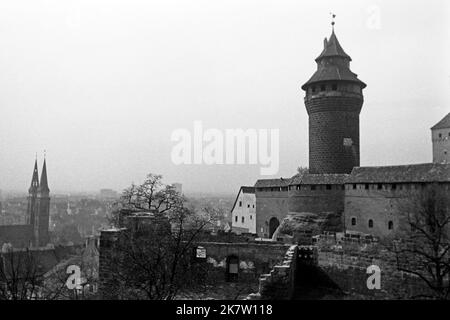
{"x":333,"y":48}
{"x":334,"y":73}
{"x":325,"y":178}
{"x":428,"y":172}
{"x":282,"y":182}
{"x":443,"y":124}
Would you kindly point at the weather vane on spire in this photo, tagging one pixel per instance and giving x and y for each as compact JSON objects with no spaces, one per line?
{"x":332,"y":20}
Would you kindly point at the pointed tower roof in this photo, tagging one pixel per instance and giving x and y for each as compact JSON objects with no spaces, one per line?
{"x":331,"y":69}
{"x":44,"y":183}
{"x":443,"y":124}
{"x":34,"y":179}
{"x":332,"y":48}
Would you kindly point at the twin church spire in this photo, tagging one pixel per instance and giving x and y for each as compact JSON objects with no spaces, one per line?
{"x":41,"y":186}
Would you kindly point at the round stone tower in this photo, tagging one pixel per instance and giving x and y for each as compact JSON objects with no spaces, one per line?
{"x":333,"y":101}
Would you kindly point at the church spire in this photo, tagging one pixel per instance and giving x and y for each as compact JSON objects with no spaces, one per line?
{"x":35,"y":179}
{"x":44,"y":183}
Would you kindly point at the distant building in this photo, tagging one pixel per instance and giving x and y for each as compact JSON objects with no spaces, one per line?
{"x":243,"y":213}
{"x":178,"y":187}
{"x":108,"y":194}
{"x":440,"y":136}
{"x":35,"y":232}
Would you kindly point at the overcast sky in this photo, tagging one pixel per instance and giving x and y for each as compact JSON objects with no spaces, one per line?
{"x":101,"y":85}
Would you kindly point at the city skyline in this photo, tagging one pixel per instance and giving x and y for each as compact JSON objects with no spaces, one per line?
{"x":103,"y":101}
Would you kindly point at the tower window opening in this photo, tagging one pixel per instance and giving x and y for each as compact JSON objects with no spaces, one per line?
{"x":235,"y":218}
{"x":323,"y":87}
{"x":242,"y":219}
{"x":353,"y":221}
{"x":313,"y":89}
{"x":313,"y":187}
{"x":334,"y":87}
{"x":393,"y":186}
{"x":328,"y":186}
{"x":240,"y":203}
{"x":390,"y":225}
{"x":366,"y":186}
{"x":354,"y":186}
{"x":370,"y":223}
{"x":380,"y":186}
{"x":440,"y":135}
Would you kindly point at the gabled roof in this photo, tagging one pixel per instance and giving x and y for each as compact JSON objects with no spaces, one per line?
{"x":427,"y":172}
{"x":443,"y":124}
{"x":243,"y":189}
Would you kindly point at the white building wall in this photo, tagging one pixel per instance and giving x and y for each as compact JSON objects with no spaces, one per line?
{"x":244,"y":212}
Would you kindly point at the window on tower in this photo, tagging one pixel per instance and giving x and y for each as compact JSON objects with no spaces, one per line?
{"x":313,"y":89}
{"x":323,"y":87}
{"x":334,"y":87}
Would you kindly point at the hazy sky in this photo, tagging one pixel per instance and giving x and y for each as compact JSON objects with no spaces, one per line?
{"x":101,"y":85}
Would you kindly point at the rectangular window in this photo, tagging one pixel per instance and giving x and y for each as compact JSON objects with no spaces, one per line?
{"x":328,"y":186}
{"x":366,"y":186}
{"x":379,"y":186}
{"x":354,"y":186}
{"x":243,"y":219}
{"x":313,"y":187}
{"x":248,"y":206}
{"x":240,"y":203}
{"x":251,"y":217}
{"x":235,"y":218}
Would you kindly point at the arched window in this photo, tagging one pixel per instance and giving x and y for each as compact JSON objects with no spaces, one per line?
{"x":353,"y":221}
{"x":390,"y":225}
{"x":370,"y":223}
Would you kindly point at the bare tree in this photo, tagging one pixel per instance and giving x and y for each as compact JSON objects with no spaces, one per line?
{"x":302,"y":170}
{"x":22,"y":278}
{"x":157,"y":261}
{"x":422,"y":244}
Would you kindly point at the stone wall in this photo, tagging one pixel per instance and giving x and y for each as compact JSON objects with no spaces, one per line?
{"x":269,"y":204}
{"x":279,"y":284}
{"x":346,"y":261}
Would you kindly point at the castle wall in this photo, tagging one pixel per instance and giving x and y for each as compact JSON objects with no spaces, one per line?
{"x":270,"y":204}
{"x":316,"y":198}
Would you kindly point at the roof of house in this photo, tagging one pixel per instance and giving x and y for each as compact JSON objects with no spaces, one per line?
{"x":323,"y":178}
{"x":443,"y":124}
{"x":263,"y":183}
{"x":243,"y":189}
{"x":427,"y":172}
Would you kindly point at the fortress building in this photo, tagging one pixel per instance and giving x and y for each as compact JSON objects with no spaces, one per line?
{"x":333,"y":101}
{"x":35,"y":232}
{"x":440,"y":135}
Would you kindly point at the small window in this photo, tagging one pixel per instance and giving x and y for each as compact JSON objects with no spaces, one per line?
{"x":366,"y":186}
{"x":248,"y":206}
{"x":394,"y":186}
{"x":323,"y":87}
{"x":390,"y":225}
{"x":343,"y":187}
{"x":379,"y":186}
{"x":353,"y":221}
{"x":440,"y":135}
{"x":235,"y":218}
{"x":313,"y":187}
{"x":354,"y":186}
{"x":240,"y":203}
{"x":313,"y":89}
{"x":334,"y":87}
{"x":328,"y":186}
{"x":253,"y":206}
{"x":370,"y":223}
{"x":242,"y":219}
{"x":251,"y":217}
